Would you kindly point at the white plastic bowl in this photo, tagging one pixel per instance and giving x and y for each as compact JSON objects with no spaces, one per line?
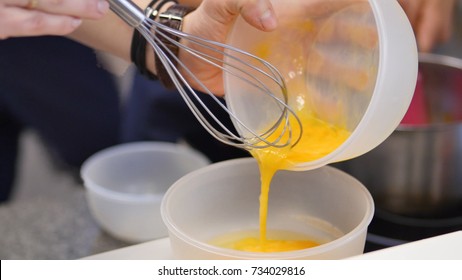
{"x":125,"y":185}
{"x":352,"y":63}
{"x":224,"y":197}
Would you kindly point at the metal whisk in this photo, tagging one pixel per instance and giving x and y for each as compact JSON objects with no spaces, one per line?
{"x":228,"y":59}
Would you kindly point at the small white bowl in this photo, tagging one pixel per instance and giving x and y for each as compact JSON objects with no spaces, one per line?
{"x":126,"y":183}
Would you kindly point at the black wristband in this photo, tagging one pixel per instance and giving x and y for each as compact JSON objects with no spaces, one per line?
{"x":152,"y":12}
{"x":139,"y":43}
{"x":172,"y":18}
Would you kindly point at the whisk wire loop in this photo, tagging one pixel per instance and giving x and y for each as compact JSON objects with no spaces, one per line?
{"x":258,"y":75}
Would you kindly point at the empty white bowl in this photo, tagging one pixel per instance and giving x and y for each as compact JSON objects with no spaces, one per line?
{"x":126,"y":183}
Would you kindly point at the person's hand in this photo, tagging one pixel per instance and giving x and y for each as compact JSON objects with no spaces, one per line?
{"x":431,"y":21}
{"x":46,"y":17}
{"x":212,"y":20}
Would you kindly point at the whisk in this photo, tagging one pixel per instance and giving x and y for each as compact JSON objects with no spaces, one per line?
{"x":259,"y":76}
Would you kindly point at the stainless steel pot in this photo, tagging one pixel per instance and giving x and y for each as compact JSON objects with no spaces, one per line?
{"x":417,"y":171}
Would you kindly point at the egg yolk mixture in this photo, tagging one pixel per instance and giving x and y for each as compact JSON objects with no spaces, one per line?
{"x":277,"y":241}
{"x":318,"y":139}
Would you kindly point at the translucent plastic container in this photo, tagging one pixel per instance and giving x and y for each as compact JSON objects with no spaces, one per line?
{"x":125,"y":185}
{"x":352,"y":64}
{"x":223,"y":198}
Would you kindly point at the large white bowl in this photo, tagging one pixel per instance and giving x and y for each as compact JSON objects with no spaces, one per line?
{"x":125,"y":185}
{"x":352,"y":63}
{"x":224,"y":197}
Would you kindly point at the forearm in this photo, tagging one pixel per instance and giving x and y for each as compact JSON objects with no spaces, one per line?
{"x":110,"y":34}
{"x":113,"y":35}
{"x":211,"y":21}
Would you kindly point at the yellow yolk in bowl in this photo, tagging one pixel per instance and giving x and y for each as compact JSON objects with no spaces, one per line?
{"x":278,"y":241}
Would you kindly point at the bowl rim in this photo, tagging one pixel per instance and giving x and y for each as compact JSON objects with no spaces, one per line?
{"x":126,"y":148}
{"x":359,"y":229}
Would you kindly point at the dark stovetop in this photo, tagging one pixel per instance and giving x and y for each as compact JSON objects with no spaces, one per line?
{"x":387,"y":229}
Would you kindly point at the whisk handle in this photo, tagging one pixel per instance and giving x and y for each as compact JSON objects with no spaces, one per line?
{"x":128,"y":11}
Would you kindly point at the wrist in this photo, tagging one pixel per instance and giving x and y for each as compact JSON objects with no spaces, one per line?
{"x":171,"y":18}
{"x":154,"y":15}
{"x":141,"y":54}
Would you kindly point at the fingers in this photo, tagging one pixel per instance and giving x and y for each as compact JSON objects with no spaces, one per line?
{"x":435,"y":25}
{"x":92,"y":9}
{"x":411,"y":7}
{"x":46,"y":17}
{"x":19,"y":22}
{"x":431,"y":21}
{"x":427,"y":34}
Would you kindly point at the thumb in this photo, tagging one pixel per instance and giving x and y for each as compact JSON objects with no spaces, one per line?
{"x":258,"y":13}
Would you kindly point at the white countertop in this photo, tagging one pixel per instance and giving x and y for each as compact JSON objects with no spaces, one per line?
{"x":443,"y":247}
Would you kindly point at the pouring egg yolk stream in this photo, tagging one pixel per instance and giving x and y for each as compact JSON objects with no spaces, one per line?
{"x":319,"y":139}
